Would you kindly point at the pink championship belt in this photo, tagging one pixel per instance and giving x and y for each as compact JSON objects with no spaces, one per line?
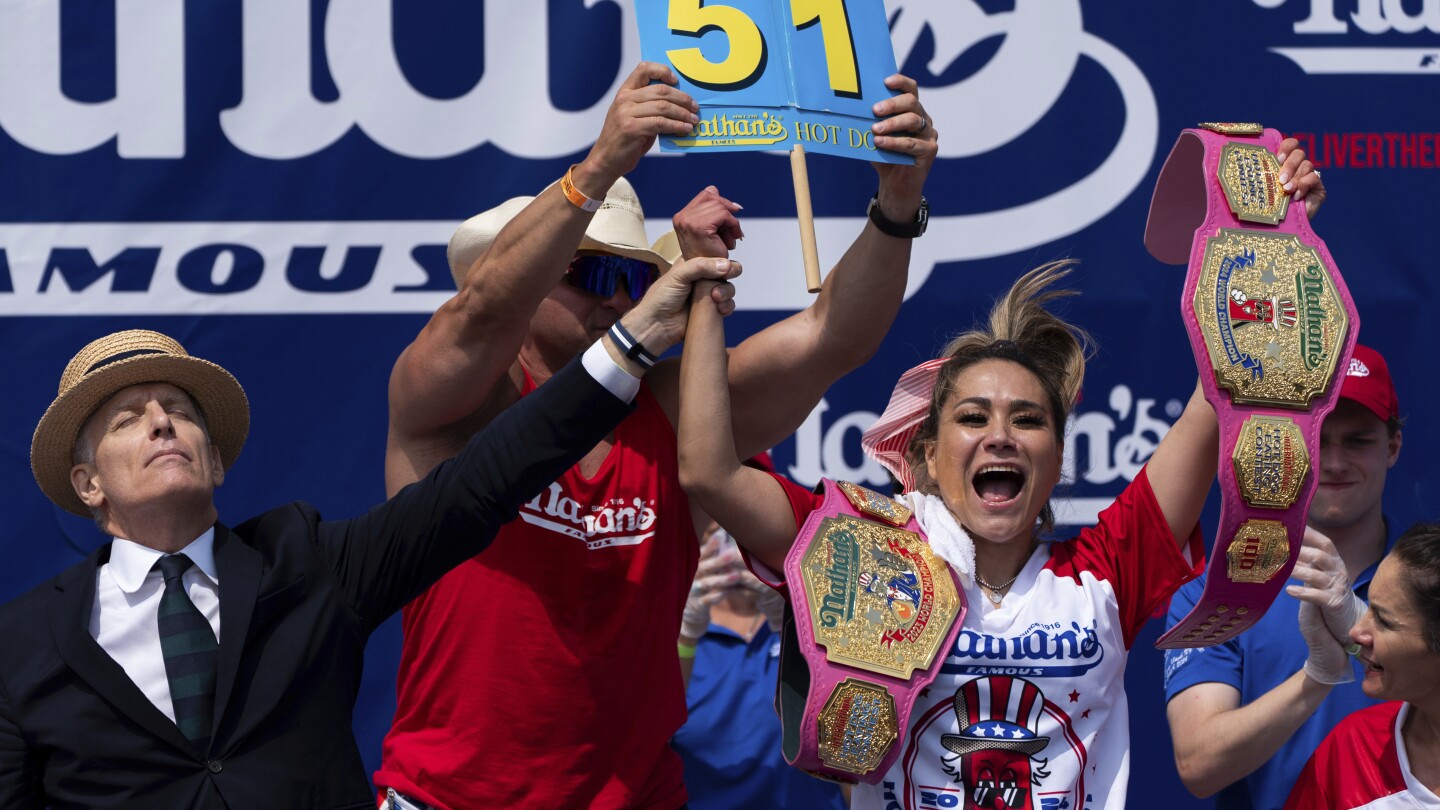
{"x":872,"y":607}
{"x":1270,"y":322}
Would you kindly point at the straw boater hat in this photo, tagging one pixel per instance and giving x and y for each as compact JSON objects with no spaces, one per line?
{"x":618,"y":228}
{"x":118,"y":361}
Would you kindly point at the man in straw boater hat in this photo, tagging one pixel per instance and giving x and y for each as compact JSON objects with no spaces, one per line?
{"x":564,"y":688}
{"x":188,"y":664}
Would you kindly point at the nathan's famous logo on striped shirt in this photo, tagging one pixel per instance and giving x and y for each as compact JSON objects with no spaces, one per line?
{"x":1050,"y":650}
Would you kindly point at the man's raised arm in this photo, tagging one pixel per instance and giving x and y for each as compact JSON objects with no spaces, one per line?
{"x":778,"y":375}
{"x":450,"y":370}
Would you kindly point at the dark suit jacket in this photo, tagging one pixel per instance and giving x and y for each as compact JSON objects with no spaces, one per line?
{"x":298,"y":598}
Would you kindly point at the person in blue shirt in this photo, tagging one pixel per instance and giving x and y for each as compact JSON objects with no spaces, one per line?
{"x":730,"y":743}
{"x":1245,"y":715}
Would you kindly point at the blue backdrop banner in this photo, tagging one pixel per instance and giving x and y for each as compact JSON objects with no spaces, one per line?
{"x":273,"y":183}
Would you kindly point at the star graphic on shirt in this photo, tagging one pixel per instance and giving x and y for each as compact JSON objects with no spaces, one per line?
{"x":1017,"y":734}
{"x":1085,"y":714}
{"x":1074,"y":697}
{"x":997,"y":731}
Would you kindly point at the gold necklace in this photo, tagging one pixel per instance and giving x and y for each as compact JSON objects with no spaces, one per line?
{"x":995,"y":595}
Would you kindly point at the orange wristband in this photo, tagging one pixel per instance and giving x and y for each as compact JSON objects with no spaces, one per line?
{"x":577,"y":197}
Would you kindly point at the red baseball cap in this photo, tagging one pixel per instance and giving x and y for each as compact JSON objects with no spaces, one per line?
{"x":1367,"y":382}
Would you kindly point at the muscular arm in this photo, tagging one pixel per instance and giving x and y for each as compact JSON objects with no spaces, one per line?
{"x":778,"y":375}
{"x":746,"y":502}
{"x":1183,"y":466}
{"x":451,"y":369}
{"x":388,"y":556}
{"x":1219,"y":742}
{"x":472,"y":339}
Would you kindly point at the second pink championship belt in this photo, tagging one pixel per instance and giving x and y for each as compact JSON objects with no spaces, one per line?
{"x":875,"y":612}
{"x":1270,"y":323}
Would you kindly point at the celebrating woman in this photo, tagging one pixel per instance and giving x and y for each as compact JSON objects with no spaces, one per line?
{"x":1029,"y":703}
{"x":1388,"y":756}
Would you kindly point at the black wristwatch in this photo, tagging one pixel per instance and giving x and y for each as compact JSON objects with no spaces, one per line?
{"x":899,"y":230}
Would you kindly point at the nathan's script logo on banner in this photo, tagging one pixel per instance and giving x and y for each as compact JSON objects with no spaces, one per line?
{"x":771,"y":74}
{"x":1419,"y":22}
{"x":159,"y":122}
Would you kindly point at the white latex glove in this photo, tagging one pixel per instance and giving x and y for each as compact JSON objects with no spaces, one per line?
{"x":1326,"y":585}
{"x":1328,"y":662}
{"x":721,"y":569}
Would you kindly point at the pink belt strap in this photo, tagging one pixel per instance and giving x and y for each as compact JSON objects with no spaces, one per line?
{"x":1271,"y":323}
{"x":874,"y":610}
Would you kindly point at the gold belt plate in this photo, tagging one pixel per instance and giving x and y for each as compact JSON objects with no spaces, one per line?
{"x":1250,"y":177}
{"x":1232,"y":128}
{"x":879,"y":599}
{"x":872,"y":504}
{"x":1272,"y":318}
{"x":857,"y":726}
{"x":1271,"y":461}
{"x":1260,"y":549}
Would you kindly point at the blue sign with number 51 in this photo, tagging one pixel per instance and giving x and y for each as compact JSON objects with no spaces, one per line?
{"x":771,"y":74}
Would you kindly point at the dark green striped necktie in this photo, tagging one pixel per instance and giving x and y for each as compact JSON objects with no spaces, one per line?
{"x":188,"y":644}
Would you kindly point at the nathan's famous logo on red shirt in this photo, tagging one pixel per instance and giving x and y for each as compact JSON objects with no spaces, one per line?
{"x":1043,"y":651}
{"x":615,"y":522}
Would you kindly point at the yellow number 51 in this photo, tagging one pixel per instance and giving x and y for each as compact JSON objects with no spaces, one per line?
{"x":746,"y":59}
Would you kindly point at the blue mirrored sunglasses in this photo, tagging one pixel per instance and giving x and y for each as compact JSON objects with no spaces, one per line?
{"x":598,"y":274}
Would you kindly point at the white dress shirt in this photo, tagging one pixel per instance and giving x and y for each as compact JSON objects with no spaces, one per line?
{"x":127,"y":599}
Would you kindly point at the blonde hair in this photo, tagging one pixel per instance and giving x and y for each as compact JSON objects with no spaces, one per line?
{"x":1021,"y":331}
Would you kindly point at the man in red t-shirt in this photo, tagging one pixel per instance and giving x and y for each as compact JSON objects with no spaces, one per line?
{"x":543,"y":673}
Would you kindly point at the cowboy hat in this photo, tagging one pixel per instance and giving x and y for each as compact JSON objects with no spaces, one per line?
{"x":118,"y":361}
{"x":617,"y":228}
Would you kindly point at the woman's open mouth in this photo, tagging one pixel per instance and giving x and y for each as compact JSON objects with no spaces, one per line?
{"x":998,"y":483}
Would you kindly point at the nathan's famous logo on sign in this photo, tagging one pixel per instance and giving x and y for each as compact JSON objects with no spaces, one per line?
{"x":731,"y":129}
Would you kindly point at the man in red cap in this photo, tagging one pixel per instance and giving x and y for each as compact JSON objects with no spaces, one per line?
{"x":1245,"y":715}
